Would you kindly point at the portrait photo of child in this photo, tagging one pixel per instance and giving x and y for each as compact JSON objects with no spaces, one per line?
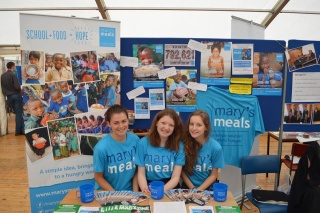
{"x":32,"y":67}
{"x":267,"y":70}
{"x":37,"y":144}
{"x":150,"y":61}
{"x":60,"y":67}
{"x":216,"y":60}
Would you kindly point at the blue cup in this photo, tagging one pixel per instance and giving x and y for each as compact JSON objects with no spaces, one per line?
{"x":220,"y":191}
{"x":156,"y":189}
{"x":86,"y":193}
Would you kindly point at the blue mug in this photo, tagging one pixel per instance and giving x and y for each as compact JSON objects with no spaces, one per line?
{"x":86,"y":193}
{"x":156,"y":189}
{"x":220,"y":191}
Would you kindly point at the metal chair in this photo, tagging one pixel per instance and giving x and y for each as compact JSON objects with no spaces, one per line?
{"x":298,"y":149}
{"x":260,"y":164}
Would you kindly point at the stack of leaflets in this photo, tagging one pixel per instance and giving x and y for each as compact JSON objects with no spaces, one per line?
{"x":69,"y":208}
{"x":119,"y":197}
{"x":190,"y":196}
{"x":85,"y":209}
{"x":201,"y":209}
{"x":228,"y":209}
{"x":125,"y":209}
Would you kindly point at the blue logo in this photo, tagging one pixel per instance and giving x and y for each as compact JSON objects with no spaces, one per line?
{"x":279,"y":57}
{"x":107,"y":37}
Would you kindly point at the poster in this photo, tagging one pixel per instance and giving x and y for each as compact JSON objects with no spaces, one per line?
{"x":305,"y":87}
{"x":178,"y":96}
{"x":58,"y":158}
{"x":301,"y":57}
{"x":267,"y":73}
{"x":150,"y":61}
{"x":216,"y":63}
{"x":242,"y":59}
{"x":178,"y":55}
{"x":157,"y":100}
{"x":142,"y":108}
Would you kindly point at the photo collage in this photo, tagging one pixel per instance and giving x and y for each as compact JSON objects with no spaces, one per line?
{"x":65,"y":96}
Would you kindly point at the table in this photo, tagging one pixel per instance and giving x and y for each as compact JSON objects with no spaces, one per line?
{"x":275,"y":135}
{"x":71,"y":198}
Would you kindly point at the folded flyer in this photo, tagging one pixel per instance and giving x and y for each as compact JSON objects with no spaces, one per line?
{"x":190,"y":196}
{"x":119,"y":197}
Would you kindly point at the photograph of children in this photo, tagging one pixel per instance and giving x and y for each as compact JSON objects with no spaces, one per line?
{"x":69,"y":99}
{"x":85,"y":66}
{"x":105,"y":93}
{"x":216,"y":60}
{"x":34,"y":106}
{"x":87,"y":143}
{"x":37,"y":144}
{"x":297,"y":113}
{"x":64,"y":138}
{"x":316,"y":114}
{"x":177,"y":88}
{"x":301,"y":57}
{"x":109,"y":62}
{"x":59,"y":69}
{"x":92,"y":122}
{"x":32,"y":67}
{"x":267,"y":70}
{"x":150,"y":61}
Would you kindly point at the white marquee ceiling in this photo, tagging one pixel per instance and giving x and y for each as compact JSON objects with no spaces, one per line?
{"x":173,"y":18}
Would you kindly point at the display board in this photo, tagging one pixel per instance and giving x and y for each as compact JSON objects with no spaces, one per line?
{"x":55,"y":96}
{"x":303,"y":86}
{"x":271,"y":105}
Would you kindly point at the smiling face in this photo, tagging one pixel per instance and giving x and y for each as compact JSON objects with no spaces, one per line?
{"x":145,"y":57}
{"x":119,"y":123}
{"x":215,"y":52}
{"x":58,"y":61}
{"x":36,"y":108}
{"x":265,"y":64}
{"x":197,"y":128}
{"x":165,"y":126}
{"x":57,"y":97}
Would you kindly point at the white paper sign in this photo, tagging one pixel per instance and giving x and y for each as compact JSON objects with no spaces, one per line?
{"x":136,"y":92}
{"x":163,"y":74}
{"x":128,"y":61}
{"x":305,"y":87}
{"x":142,"y":108}
{"x":195,"y":45}
{"x":156,"y":99}
{"x":197,"y":86}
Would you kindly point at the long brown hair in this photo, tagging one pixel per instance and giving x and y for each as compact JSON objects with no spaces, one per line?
{"x":191,"y":146}
{"x":174,"y":138}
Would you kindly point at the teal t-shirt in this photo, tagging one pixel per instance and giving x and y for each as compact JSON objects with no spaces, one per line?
{"x":210,"y":156}
{"x":158,"y":161}
{"x":235,"y":121}
{"x":116,"y":160}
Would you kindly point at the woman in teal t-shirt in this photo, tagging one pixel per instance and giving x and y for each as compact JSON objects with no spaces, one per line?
{"x":160,"y":155}
{"x":204,"y":155}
